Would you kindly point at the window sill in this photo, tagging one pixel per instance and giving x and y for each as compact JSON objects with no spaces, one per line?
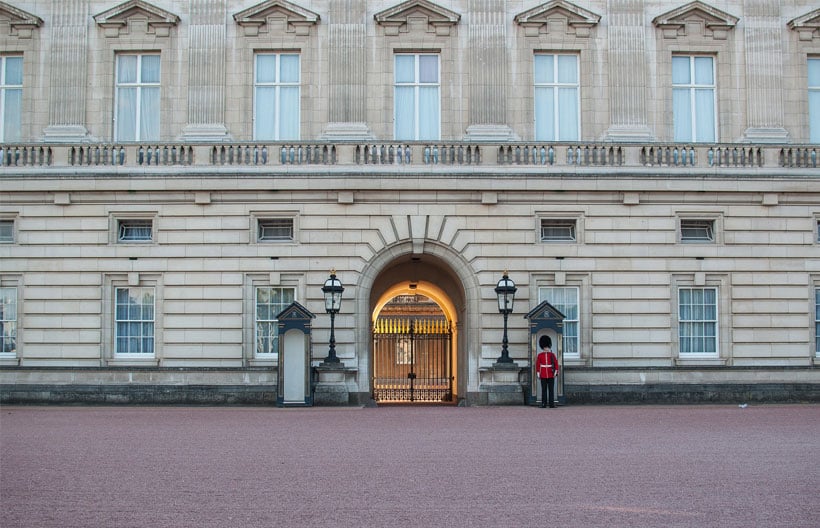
{"x":700,"y":361}
{"x":9,"y":360}
{"x":121,"y":361}
{"x":263,"y":362}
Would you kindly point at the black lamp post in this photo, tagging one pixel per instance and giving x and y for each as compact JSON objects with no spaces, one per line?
{"x":505,"y":290}
{"x":333,"y":303}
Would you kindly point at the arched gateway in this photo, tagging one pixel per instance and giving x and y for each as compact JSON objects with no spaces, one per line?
{"x":420,"y":308}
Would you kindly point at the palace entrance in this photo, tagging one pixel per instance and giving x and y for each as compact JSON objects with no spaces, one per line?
{"x":413,"y":343}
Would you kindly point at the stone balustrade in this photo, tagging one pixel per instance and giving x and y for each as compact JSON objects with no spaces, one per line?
{"x":415,"y":154}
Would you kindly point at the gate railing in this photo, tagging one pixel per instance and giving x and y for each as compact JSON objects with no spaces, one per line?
{"x":412,"y":360}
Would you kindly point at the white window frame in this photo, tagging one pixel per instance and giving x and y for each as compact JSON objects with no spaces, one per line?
{"x":265,"y":223}
{"x":124,"y":224}
{"x":277,"y":84}
{"x":571,"y":346}
{"x":692,"y":224}
{"x":556,"y":87}
{"x":139,"y":135}
{"x":271,"y":337}
{"x":817,"y":322}
{"x":142,"y":321}
{"x":416,"y":84}
{"x":559,"y":223}
{"x":9,"y":323}
{"x":693,"y":322}
{"x":692,"y":88}
{"x":5,"y":89}
{"x":813,"y":93}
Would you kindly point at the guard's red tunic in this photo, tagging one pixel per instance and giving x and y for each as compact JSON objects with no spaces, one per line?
{"x":546,"y":364}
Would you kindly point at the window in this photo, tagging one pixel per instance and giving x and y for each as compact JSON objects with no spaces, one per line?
{"x":134,"y":231}
{"x":276,"y":96}
{"x":134,"y":321}
{"x":814,"y":100}
{"x":557,"y":230}
{"x":565,"y":300}
{"x":6,"y":231}
{"x":11,"y":97}
{"x":697,"y":230}
{"x":698,"y":321}
{"x":8,"y":320}
{"x":693,"y":98}
{"x":557,"y":104}
{"x":137,"y":98}
{"x":270,"y":301}
{"x":274,"y":229}
{"x":417,"y":114}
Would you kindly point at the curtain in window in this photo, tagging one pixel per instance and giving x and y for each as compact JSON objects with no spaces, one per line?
{"x":150,"y":103}
{"x":265,"y":113}
{"x":698,"y":321}
{"x":567,"y":114}
{"x":544,"y":114}
{"x":705,"y":114}
{"x":8,"y":320}
{"x":269,"y":303}
{"x":289,"y":112}
{"x":404,"y":98}
{"x":134,"y":314}
{"x":814,"y":100}
{"x":12,"y":99}
{"x":428,"y":112}
{"x":556,"y":97}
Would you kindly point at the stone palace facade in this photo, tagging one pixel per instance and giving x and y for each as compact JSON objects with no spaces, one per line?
{"x":175,"y":173}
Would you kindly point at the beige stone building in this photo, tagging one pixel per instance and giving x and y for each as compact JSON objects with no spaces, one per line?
{"x":176,"y":173}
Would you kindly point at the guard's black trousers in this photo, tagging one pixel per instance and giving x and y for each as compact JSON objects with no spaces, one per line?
{"x":547,"y":392}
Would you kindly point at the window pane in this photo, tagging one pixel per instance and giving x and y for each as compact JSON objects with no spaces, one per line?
{"x":814,"y":116}
{"x":12,"y":118}
{"x":814,"y":73}
{"x":127,"y":69}
{"x":405,"y":125}
{"x":565,"y":300}
{"x":127,"y":114}
{"x":682,"y":114}
{"x":265,"y":113}
{"x":150,"y":69}
{"x":567,"y":114}
{"x":265,"y":68}
{"x":705,"y":114}
{"x":680,"y":70}
{"x":428,"y":112}
{"x":405,"y":68}
{"x":289,"y":113}
{"x":289,"y":65}
{"x":428,"y":68}
{"x":6,"y":231}
{"x":544,"y":114}
{"x":544,"y":69}
{"x":567,"y":69}
{"x":14,"y":71}
{"x":149,"y":114}
{"x":704,"y":72}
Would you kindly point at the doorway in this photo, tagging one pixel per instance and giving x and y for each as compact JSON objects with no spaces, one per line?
{"x":413,"y":344}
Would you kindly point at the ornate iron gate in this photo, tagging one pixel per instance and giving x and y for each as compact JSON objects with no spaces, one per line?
{"x":412,"y":359}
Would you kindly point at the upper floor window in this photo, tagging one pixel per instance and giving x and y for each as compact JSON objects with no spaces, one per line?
{"x":557,"y":107}
{"x":276,"y":96}
{"x":11,"y":97}
{"x":270,"y":301}
{"x":814,"y":100}
{"x":693,"y":98}
{"x":134,"y":321}
{"x":137,"y":97}
{"x":8,"y":320}
{"x":698,"y":321}
{"x":417,"y":99}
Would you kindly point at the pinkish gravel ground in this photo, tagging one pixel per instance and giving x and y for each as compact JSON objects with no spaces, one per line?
{"x":582,"y":466}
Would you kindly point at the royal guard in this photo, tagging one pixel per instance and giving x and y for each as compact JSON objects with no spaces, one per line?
{"x":546,"y":365}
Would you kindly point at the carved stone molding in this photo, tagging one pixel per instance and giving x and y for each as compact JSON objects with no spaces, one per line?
{"x":538,"y":20}
{"x":286,"y":16}
{"x":136,"y":13}
{"x":677,"y":23}
{"x":21,"y":23}
{"x":807,"y":26}
{"x":417,"y":15}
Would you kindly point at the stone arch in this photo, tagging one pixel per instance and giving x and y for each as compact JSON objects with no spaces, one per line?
{"x":439,"y":265}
